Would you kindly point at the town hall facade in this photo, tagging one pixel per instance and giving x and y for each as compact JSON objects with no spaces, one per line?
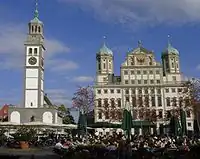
{"x":150,"y":88}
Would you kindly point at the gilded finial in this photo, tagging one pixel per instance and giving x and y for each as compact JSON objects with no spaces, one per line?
{"x":36,"y":13}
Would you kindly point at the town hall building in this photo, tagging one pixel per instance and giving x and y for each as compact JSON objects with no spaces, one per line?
{"x":35,"y":107}
{"x":152,"y":89}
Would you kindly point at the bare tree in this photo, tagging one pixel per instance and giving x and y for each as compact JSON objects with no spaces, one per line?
{"x":83,"y":99}
{"x":191,"y":95}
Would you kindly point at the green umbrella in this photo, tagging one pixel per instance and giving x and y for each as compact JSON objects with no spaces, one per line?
{"x":175,"y":126}
{"x":127,"y":122}
{"x":183,"y":122}
{"x":82,"y":124}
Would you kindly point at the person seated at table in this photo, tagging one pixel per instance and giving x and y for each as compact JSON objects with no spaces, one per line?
{"x":58,"y":145}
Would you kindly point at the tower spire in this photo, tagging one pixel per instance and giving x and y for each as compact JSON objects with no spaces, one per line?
{"x":36,"y":13}
{"x":104,"y":40}
{"x":168,"y":41}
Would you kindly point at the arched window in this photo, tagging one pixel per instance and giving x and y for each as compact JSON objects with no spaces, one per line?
{"x":36,"y":28}
{"x":30,"y":50}
{"x":35,"y":51}
{"x":32,"y":29}
{"x":31,"y":104}
{"x":39,"y":30}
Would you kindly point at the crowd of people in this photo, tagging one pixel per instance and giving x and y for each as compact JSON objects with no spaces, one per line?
{"x":118,"y":146}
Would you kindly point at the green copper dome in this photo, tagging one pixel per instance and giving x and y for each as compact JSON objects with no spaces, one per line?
{"x":170,"y":49}
{"x":105,"y":50}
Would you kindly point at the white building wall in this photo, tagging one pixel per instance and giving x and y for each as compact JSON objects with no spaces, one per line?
{"x":31,"y":83}
{"x":31,"y":72}
{"x":31,"y":99}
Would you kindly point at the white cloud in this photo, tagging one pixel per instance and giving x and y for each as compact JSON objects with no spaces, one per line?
{"x":61,"y":65}
{"x":137,"y":12}
{"x":83,"y":79}
{"x":12,"y":53}
{"x":59,"y":96}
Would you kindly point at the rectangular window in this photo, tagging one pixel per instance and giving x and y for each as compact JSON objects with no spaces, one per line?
{"x":118,"y":91}
{"x":133,"y":91}
{"x":146,"y":91}
{"x":167,"y":90}
{"x":150,"y":72}
{"x":126,"y":81}
{"x":105,"y":91}
{"x":168,"y":102}
{"x":132,"y":81}
{"x":106,"y":103}
{"x":106,"y":115}
{"x":100,"y":115}
{"x":119,"y":102}
{"x":152,"y":81}
{"x":188,"y":113}
{"x":112,"y":91}
{"x":160,"y":114}
{"x":99,"y":91}
{"x":174,"y":78}
{"x":180,"y":90}
{"x":144,"y":72}
{"x":126,"y":91}
{"x":139,"y":91}
{"x":125,"y":72}
{"x":140,"y":101}
{"x":112,"y":101}
{"x":146,"y":101}
{"x":152,"y":91}
{"x":157,"y":72}
{"x":174,"y":102}
{"x":158,"y":91}
{"x":173,"y":90}
{"x":134,"y":101}
{"x":132,"y":72}
{"x":139,"y":82}
{"x":127,"y":99}
{"x":159,"y":101}
{"x":138,"y":72}
{"x":153,"y":104}
{"x":158,"y":81}
{"x":145,"y":81}
{"x":99,"y":102}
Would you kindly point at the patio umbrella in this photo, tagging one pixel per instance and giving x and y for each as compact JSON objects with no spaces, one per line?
{"x":82,"y":124}
{"x":127,"y":121}
{"x":183,"y":122}
{"x":175,"y":126}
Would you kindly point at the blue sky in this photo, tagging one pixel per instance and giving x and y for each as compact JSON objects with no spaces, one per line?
{"x":74,"y":31}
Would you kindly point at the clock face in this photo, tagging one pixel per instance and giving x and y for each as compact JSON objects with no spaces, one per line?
{"x":32,"y":61}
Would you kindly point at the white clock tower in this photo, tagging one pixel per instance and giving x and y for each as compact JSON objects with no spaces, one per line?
{"x":34,"y":64}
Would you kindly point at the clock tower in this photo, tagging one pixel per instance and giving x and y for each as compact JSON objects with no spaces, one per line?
{"x":34,"y":64}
